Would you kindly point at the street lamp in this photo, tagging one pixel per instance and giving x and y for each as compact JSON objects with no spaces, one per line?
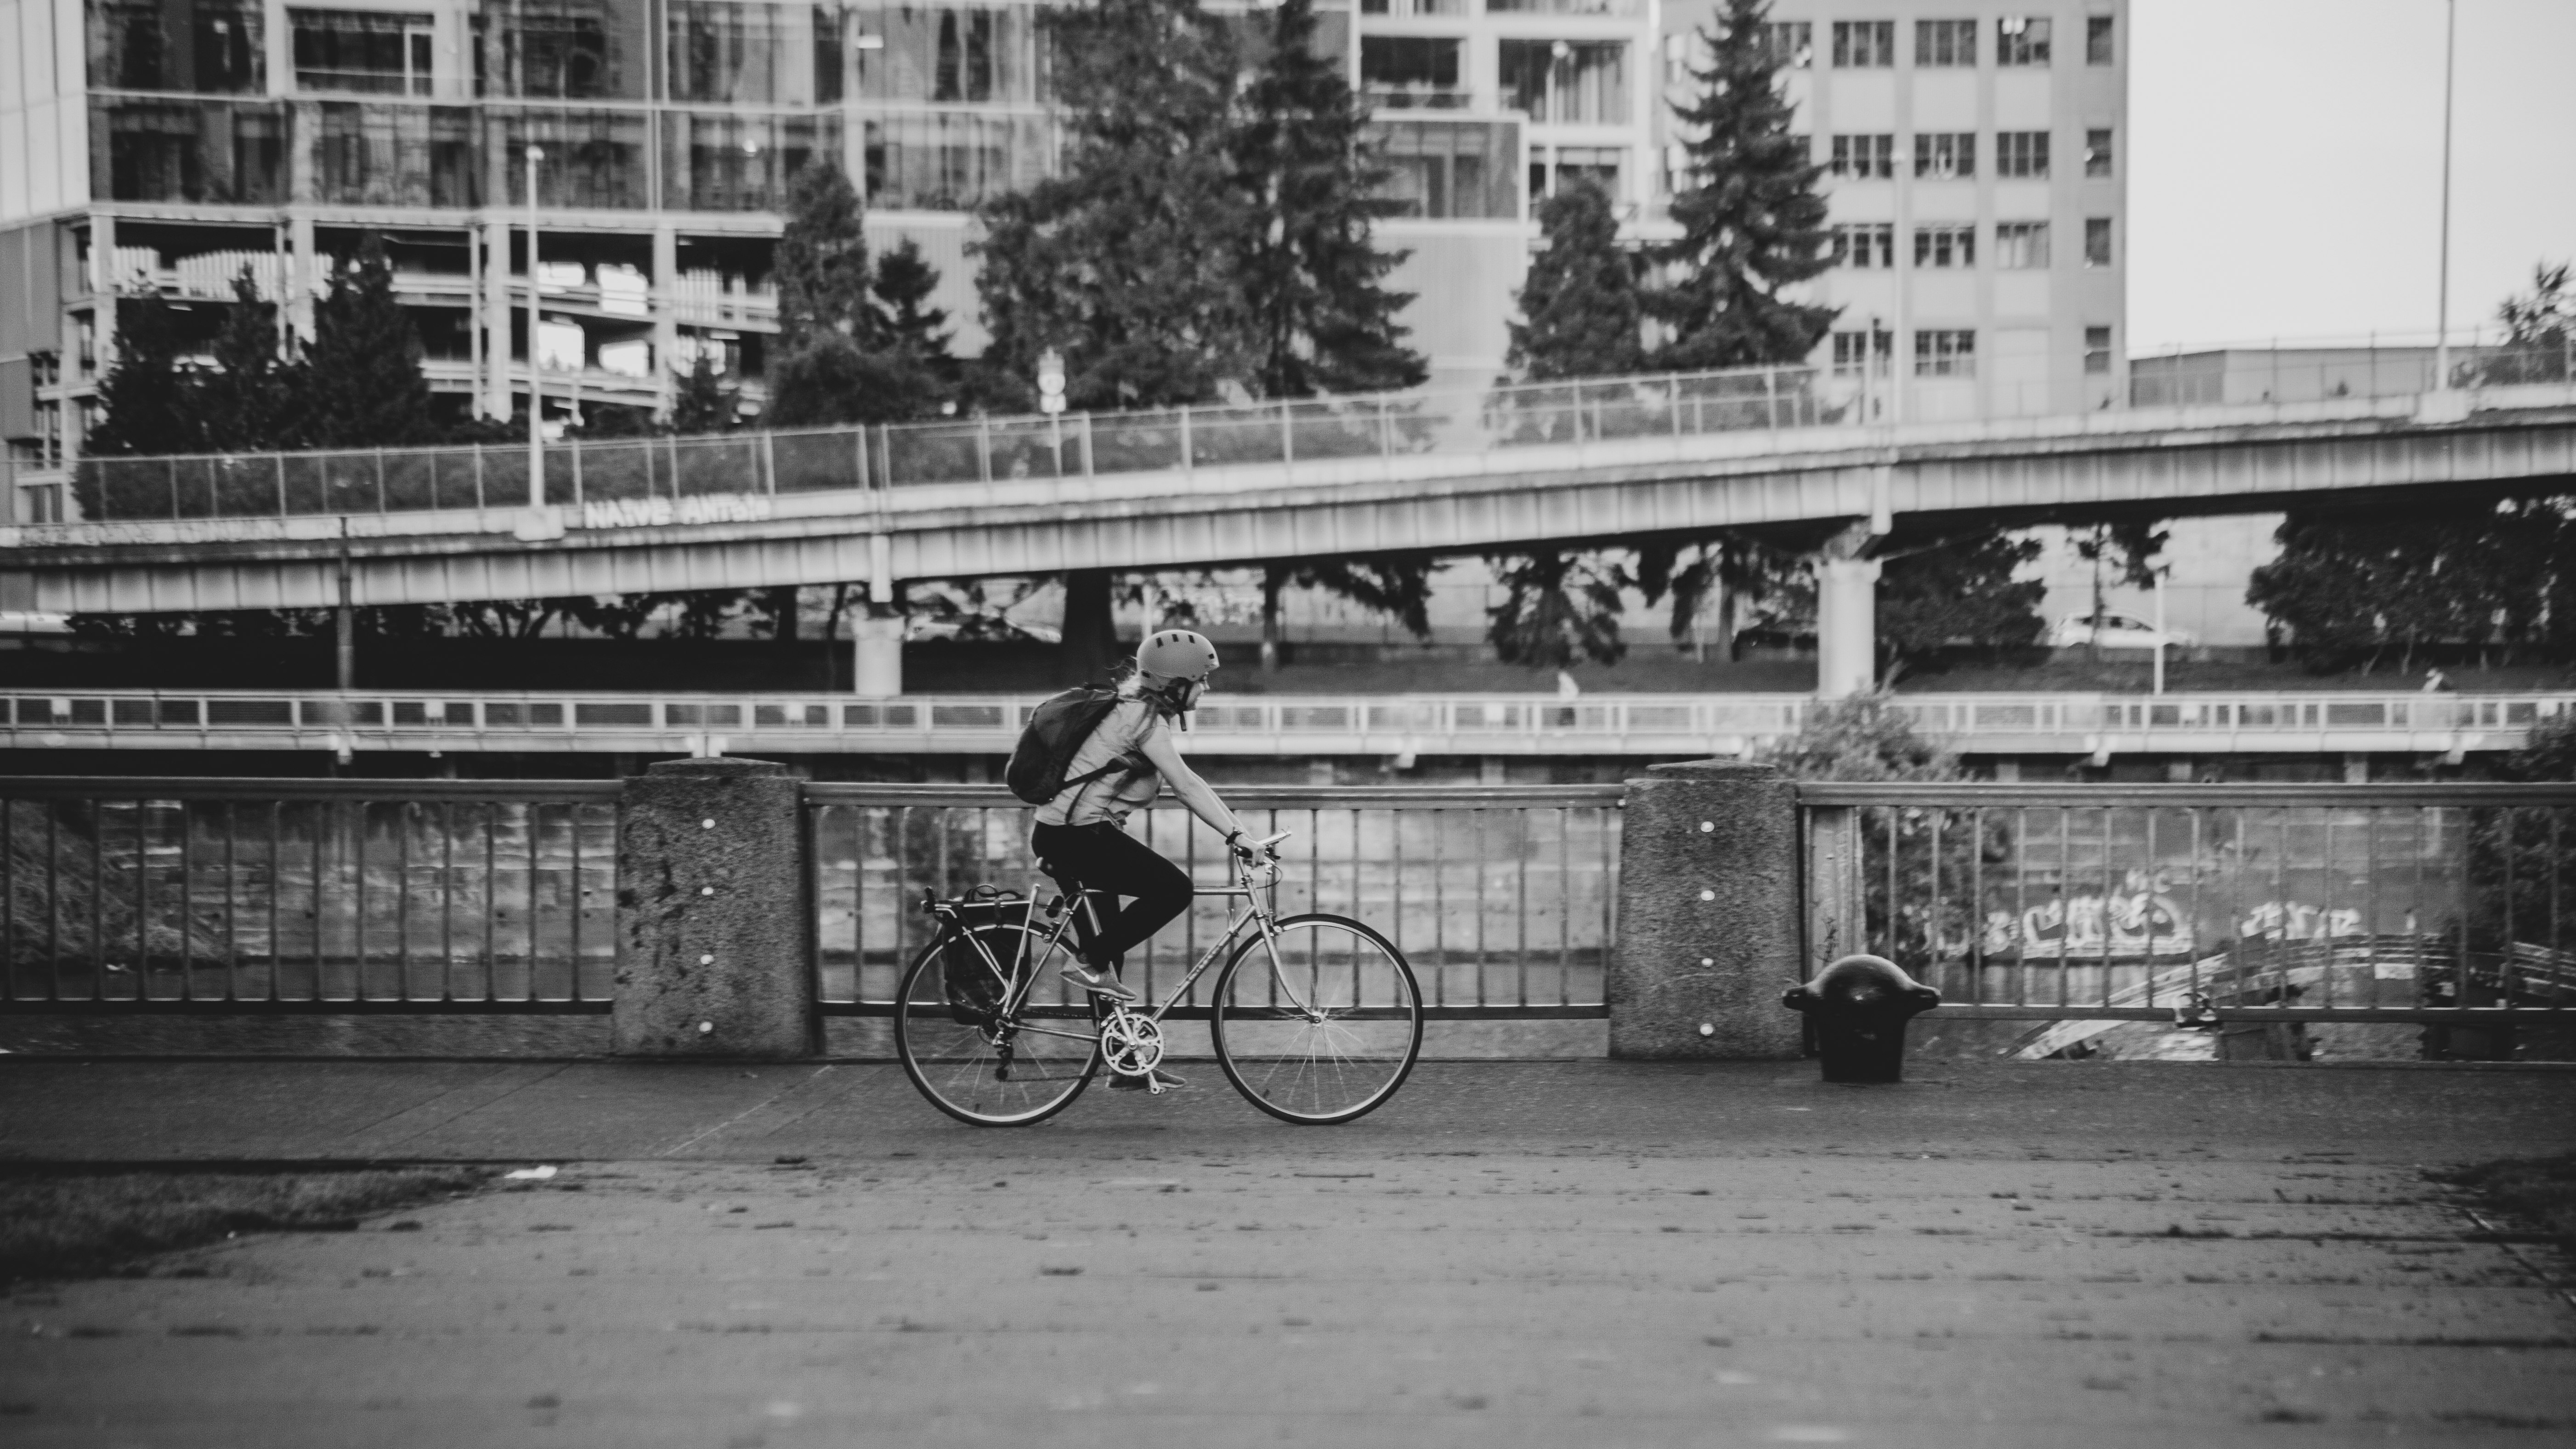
{"x":2442,"y":336}
{"x":536,"y":411}
{"x":863,"y":44}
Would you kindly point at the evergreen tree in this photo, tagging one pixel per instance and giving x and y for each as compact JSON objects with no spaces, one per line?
{"x":1323,"y":318}
{"x":1961,"y":591}
{"x":1395,"y":586}
{"x":144,"y":403}
{"x":2128,"y":548}
{"x":1128,"y":261}
{"x":905,"y":279}
{"x":1580,"y":304}
{"x":836,"y":359}
{"x":1742,"y":572}
{"x":247,"y":404}
{"x":1752,"y":222}
{"x":2540,"y":333}
{"x":1558,"y":605}
{"x":363,"y":386}
{"x":702,"y":403}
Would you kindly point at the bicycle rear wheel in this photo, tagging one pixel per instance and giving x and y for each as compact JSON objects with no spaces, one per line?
{"x":1006,"y":1070}
{"x":1318,"y":1023}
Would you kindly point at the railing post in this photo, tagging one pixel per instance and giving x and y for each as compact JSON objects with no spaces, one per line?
{"x":1708,"y":915}
{"x":1287,"y":433}
{"x":380,"y":481}
{"x":769,"y":461}
{"x":1673,"y":401}
{"x":1771,"y":396}
{"x":714,"y":930}
{"x":1834,"y":924}
{"x":1086,"y":445}
{"x":280,"y":460}
{"x":173,"y":468}
{"x":575,"y":451}
{"x":984,"y":448}
{"x":1185,"y":437}
{"x":859,"y":449}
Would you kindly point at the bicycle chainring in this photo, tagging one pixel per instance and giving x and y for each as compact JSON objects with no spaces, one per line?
{"x":1130,"y":1042}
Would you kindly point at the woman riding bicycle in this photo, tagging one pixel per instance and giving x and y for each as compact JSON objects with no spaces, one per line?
{"x":1081,"y":834}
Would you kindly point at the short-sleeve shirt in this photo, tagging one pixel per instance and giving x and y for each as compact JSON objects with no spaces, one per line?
{"x":1122,"y":733}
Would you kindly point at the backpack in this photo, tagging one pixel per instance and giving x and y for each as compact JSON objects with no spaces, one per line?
{"x":1056,"y":729}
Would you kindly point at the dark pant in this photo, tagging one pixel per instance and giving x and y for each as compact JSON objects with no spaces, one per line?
{"x":1107,"y":860}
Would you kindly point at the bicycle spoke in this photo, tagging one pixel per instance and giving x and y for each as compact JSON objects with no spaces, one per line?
{"x":1319,"y":1023}
{"x":1000,"y":1067}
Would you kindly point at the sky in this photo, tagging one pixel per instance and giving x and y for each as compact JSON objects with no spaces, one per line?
{"x":2286,"y":164}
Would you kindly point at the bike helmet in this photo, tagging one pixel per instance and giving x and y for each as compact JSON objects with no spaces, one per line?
{"x":1175,"y":664}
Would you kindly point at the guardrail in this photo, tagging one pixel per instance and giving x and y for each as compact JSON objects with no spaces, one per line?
{"x":1501,"y":898}
{"x":613,"y":473}
{"x":314,"y":895}
{"x":2085,"y":906}
{"x":1603,"y":724}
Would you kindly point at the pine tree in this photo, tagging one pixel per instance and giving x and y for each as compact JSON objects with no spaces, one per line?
{"x":1396,"y":586}
{"x":1753,"y":222}
{"x":248,"y":403}
{"x":836,"y":360}
{"x":363,"y":386}
{"x":1323,"y":318}
{"x":1128,"y":261}
{"x":144,"y":399}
{"x":702,"y":403}
{"x":1960,"y":592}
{"x":1558,"y":606}
{"x":904,"y":283}
{"x":1581,"y":305}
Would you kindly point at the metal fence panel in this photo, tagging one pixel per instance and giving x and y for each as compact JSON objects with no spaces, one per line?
{"x":2434,"y":903}
{"x":1503,"y":899}
{"x":268,"y":895}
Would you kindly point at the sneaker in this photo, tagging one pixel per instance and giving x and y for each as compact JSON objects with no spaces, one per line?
{"x":1097,"y":982}
{"x":1163,"y":1079}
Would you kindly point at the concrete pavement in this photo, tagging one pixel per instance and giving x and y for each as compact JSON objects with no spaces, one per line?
{"x":1538,"y":1253}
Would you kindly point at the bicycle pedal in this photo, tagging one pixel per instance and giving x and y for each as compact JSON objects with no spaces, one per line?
{"x":1154,"y":1085}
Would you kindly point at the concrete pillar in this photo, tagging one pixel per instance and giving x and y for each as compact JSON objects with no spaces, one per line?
{"x":498,"y":356}
{"x":877,"y":653}
{"x":713,"y":922}
{"x":666,"y":330}
{"x":1846,"y":626}
{"x":1708,"y":916}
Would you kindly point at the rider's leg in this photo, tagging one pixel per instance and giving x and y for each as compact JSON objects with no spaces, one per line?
{"x":1108,"y":860}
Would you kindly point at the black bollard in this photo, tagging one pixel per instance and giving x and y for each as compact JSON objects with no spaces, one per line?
{"x":1859,"y":1007}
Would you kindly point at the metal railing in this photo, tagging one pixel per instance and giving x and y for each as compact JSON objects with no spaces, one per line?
{"x":2445,"y":904}
{"x":338,"y":896}
{"x":607,"y":473}
{"x":1503,"y":899}
{"x":1639,"y":724}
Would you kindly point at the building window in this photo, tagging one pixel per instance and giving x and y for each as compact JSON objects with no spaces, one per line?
{"x":1851,"y":349}
{"x":1868,"y":245}
{"x":1945,"y":353}
{"x":1442,"y":169}
{"x":1864,"y":158}
{"x":85,"y":344}
{"x":1945,"y":246}
{"x":562,"y":50}
{"x":1941,"y":154}
{"x":1791,"y":44}
{"x":2097,"y":241}
{"x":208,"y":46}
{"x":1564,"y":81}
{"x":1575,"y":166}
{"x":2021,"y":246}
{"x":1410,"y":72}
{"x":727,"y":52}
{"x":2021,"y":40}
{"x":2097,"y":349}
{"x":1864,"y":43}
{"x":2021,"y":153}
{"x":2097,"y":152}
{"x":2097,"y":40}
{"x":1945,"y":42}
{"x":361,"y":50}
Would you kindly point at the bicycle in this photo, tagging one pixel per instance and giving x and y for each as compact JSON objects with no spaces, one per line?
{"x":1315,"y":1018}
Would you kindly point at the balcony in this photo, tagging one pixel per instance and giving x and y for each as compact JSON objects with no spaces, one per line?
{"x":1419,"y":98}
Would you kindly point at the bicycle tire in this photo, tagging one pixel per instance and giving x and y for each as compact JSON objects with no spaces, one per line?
{"x":1348,"y":1035}
{"x":961,"y":1068}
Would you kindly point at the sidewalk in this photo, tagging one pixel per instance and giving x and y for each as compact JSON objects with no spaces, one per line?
{"x":1510,"y":1254}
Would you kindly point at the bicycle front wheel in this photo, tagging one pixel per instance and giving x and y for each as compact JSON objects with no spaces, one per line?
{"x":1010,"y":1068}
{"x":1318,"y":1022}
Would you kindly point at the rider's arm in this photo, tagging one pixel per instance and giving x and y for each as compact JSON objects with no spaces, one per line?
{"x":1188,"y":787}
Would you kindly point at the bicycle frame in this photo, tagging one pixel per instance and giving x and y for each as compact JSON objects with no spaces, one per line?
{"x":1242,"y":885}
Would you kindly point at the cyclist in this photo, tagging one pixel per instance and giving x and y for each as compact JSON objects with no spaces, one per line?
{"x":1081,"y":835}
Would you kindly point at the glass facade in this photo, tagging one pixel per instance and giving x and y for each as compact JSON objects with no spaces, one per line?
{"x":745,"y":54}
{"x":950,"y":160}
{"x":1449,"y":169}
{"x":1582,"y":83}
{"x":564,"y":50}
{"x":728,"y":161}
{"x":949,"y":54}
{"x":367,"y":51}
{"x":371,"y":154}
{"x":594,"y":159}
{"x":201,"y":46}
{"x":223,"y":153}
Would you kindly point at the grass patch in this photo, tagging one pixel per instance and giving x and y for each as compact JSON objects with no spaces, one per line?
{"x":2538,"y":1191}
{"x":75,"y":1225}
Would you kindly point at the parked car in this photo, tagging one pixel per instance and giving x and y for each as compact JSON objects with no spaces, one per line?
{"x":2115,"y":631}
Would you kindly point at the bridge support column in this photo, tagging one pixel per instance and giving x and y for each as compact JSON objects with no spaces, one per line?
{"x":877,"y":653}
{"x":1708,"y":915}
{"x":712,"y":917}
{"x":1846,"y":626}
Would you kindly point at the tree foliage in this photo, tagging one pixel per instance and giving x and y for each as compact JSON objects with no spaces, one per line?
{"x":1752,"y":221}
{"x":840,"y":356}
{"x":1959,"y":592}
{"x":143,"y":401}
{"x":2356,"y":588}
{"x":1323,"y":320}
{"x":2540,"y":329}
{"x":1863,"y":738}
{"x":1128,"y":260}
{"x":251,"y":400}
{"x":1582,"y":307}
{"x":362,"y":383}
{"x":1558,"y":605}
{"x":1744,"y":573}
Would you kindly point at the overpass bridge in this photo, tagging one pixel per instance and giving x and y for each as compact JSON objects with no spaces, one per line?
{"x":2072,"y":725}
{"x":1444,"y":473}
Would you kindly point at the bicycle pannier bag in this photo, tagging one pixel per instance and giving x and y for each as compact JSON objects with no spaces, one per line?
{"x":1056,"y":729}
{"x":966,"y":978}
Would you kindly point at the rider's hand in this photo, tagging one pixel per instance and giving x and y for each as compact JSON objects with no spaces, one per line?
{"x":1245,"y":850}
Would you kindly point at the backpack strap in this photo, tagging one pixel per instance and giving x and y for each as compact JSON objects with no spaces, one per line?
{"x":1128,"y":762}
